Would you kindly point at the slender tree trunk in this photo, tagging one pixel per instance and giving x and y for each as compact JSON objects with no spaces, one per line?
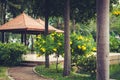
{"x":46,"y":31}
{"x":73,"y":27}
{"x":67,"y":56}
{"x":102,"y":39}
{"x":57,"y":62}
{"x":58,"y":23}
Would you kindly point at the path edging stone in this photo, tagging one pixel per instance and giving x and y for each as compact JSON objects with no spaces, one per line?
{"x":39,"y":74}
{"x":7,"y":73}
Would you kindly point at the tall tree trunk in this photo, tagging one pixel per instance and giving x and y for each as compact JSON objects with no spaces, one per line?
{"x":46,"y":31}
{"x":67,"y":56}
{"x":102,"y":39}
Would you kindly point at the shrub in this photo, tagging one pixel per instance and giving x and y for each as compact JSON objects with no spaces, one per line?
{"x":82,"y":57}
{"x":81,"y":45}
{"x":11,"y":53}
{"x":114,"y":44}
{"x":87,"y":64}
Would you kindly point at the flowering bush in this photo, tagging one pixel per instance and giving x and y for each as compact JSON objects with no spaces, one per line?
{"x":82,"y":48}
{"x":81,"y":44}
{"x":52,"y":43}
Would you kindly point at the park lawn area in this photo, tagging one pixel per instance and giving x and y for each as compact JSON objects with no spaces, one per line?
{"x":52,"y":73}
{"x":3,"y":71}
{"x":115,"y":72}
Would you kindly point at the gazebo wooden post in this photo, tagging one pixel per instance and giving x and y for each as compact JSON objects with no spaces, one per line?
{"x":3,"y":37}
{"x":37,"y":36}
{"x":25,"y":38}
{"x":22,"y":38}
{"x":32,"y":41}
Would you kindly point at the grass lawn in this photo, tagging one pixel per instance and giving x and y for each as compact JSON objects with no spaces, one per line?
{"x":3,"y":75}
{"x":52,"y":73}
{"x":115,"y":72}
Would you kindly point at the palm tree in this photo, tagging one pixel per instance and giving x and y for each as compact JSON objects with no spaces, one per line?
{"x":102,"y":39}
{"x":67,"y":56}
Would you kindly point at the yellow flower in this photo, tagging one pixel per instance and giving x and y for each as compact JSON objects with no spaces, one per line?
{"x":58,"y":35}
{"x":39,"y":36}
{"x":116,"y":12}
{"x":59,"y":44}
{"x":52,"y":38}
{"x":80,"y":38}
{"x":38,"y":55}
{"x":70,"y":42}
{"x":43,"y":41}
{"x":94,"y":49}
{"x":43,"y":49}
{"x":83,"y":48}
{"x":79,"y":47}
{"x":52,"y":34}
{"x":55,"y":49}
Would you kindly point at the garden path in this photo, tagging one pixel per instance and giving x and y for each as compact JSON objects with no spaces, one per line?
{"x":24,"y":73}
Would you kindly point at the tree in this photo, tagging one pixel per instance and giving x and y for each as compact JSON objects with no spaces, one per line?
{"x":67,"y":55}
{"x":46,"y":31}
{"x":102,"y":39}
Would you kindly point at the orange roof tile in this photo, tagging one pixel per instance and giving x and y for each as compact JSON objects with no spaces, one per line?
{"x":49,"y":27}
{"x":23,"y":22}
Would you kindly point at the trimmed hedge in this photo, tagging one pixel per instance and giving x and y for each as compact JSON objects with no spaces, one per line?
{"x":11,"y":53}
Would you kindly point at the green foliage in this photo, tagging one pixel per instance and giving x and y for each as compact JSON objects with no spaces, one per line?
{"x":11,"y":53}
{"x":114,"y":44}
{"x":81,"y":49}
{"x":115,"y":71}
{"x":50,"y":44}
{"x":51,"y":73}
{"x":87,"y":64}
{"x":82,"y":44}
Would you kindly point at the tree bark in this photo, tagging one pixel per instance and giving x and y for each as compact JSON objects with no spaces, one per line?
{"x":46,"y":31}
{"x":102,"y":39}
{"x":67,"y":56}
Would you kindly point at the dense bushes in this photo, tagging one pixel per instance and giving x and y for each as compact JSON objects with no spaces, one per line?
{"x":11,"y":53}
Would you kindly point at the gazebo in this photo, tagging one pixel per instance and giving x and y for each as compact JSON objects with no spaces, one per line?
{"x":49,"y":27}
{"x":23,"y":24}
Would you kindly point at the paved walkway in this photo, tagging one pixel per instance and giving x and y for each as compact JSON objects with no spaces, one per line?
{"x":24,"y":73}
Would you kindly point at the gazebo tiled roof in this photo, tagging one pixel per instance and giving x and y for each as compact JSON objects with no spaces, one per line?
{"x":23,"y":22}
{"x":49,"y":27}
